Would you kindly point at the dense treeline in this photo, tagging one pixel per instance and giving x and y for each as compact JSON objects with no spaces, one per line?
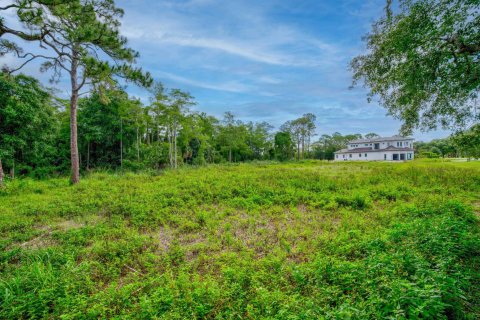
{"x":462,"y":144}
{"x":117,"y":131}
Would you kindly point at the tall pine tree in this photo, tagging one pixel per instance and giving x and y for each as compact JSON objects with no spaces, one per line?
{"x":82,"y":39}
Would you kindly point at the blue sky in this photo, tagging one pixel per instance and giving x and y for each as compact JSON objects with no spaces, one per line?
{"x":268,"y":60}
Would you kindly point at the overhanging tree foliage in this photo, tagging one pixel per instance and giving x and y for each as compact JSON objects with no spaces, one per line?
{"x":83,"y":40}
{"x":423,"y":63}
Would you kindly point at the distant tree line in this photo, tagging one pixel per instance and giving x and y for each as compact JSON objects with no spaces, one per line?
{"x":117,"y":131}
{"x":463,"y":144}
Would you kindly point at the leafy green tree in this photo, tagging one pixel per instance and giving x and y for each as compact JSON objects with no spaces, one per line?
{"x":437,"y":148}
{"x":78,"y":35}
{"x":283,"y":146}
{"x":309,"y":129}
{"x":209,"y":127}
{"x":423,"y":62}
{"x":468,"y":142}
{"x":301,"y":130}
{"x":293,"y":128}
{"x":109,"y":127}
{"x":170,"y":109}
{"x":232,"y":138}
{"x":258,"y":139}
{"x":176,"y":117}
{"x":326,"y":146}
{"x":28,"y":124}
{"x":371,"y":135}
{"x":133,"y":115}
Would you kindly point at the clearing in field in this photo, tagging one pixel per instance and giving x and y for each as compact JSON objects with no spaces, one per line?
{"x":278,"y":241}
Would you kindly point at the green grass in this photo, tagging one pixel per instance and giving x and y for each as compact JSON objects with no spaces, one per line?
{"x":303,"y":240}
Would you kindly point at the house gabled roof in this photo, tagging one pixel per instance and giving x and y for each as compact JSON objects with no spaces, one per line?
{"x":381,"y":139}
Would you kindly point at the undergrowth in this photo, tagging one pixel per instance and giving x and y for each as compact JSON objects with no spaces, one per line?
{"x":254,"y":241}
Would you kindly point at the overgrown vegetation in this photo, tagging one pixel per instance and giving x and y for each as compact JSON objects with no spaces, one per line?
{"x":279,"y":241}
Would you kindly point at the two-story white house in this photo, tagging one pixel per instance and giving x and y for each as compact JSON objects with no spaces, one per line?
{"x":396,"y":148}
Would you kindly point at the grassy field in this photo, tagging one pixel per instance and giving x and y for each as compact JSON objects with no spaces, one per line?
{"x":252,"y":241}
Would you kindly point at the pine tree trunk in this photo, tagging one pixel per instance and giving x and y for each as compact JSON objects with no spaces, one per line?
{"x":175,"y":145}
{"x":1,"y":173}
{"x":121,"y":143}
{"x":138,"y":146}
{"x":12,"y":170}
{"x":75,"y":161}
{"x":147,"y":131}
{"x":303,"y":147}
{"x":73,"y":139}
{"x":170,"y":148}
{"x":88,"y":155}
{"x":298,"y":148}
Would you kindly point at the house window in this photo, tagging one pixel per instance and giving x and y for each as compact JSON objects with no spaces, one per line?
{"x":337,"y":156}
{"x":409,"y":156}
{"x":384,"y":157}
{"x":343,"y":156}
{"x":359,"y":155}
{"x":350,"y":155}
{"x":365,"y":155}
{"x":366,"y":144}
{"x":395,"y":157}
{"x":377,"y":146}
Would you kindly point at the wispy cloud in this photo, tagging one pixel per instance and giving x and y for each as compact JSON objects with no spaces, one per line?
{"x":245,"y":51}
{"x":245,"y":33}
{"x":231,"y":86}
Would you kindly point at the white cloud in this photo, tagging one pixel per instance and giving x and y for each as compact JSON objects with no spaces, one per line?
{"x":245,"y":33}
{"x":230,"y":86}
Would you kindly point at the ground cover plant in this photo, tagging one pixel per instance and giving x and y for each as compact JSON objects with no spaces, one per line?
{"x":303,"y":240}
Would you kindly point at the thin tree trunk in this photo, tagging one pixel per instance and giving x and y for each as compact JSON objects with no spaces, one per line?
{"x":298,"y":148}
{"x":147,"y":131}
{"x":230,"y":155}
{"x":175,"y":144}
{"x":88,"y":155}
{"x":138,"y":146}
{"x":308,"y":146}
{"x":121,"y":143}
{"x":1,"y":173}
{"x":12,"y":170}
{"x":303,"y":147}
{"x":75,"y":178}
{"x":170,"y":146}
